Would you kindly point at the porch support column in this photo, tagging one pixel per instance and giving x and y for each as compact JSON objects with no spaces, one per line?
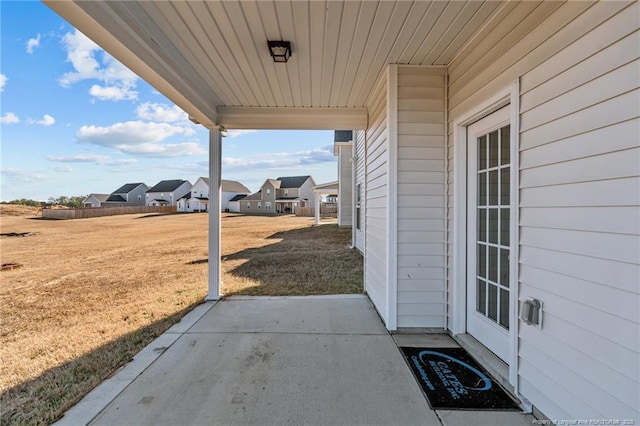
{"x":317,"y":208}
{"x":215,"y":168}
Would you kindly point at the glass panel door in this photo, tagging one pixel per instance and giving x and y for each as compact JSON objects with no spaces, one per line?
{"x":489,"y":216}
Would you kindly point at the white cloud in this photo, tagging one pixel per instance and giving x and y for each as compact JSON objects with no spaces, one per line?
{"x":21,"y":176}
{"x":32,"y":43}
{"x":130,"y":133}
{"x":9,"y":118}
{"x":161,"y":112}
{"x":140,"y":138}
{"x":199,"y":167}
{"x":46,"y":120}
{"x":164,"y":150}
{"x":113,"y":93}
{"x":63,"y":169}
{"x":91,"y":62}
{"x":3,"y":81}
{"x":100,"y":160}
{"x":236,"y":133}
{"x":275,"y":161}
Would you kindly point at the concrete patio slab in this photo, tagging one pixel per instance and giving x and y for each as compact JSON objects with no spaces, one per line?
{"x":277,"y":361}
{"x":488,"y":418}
{"x":352,"y":315}
{"x":261,"y":361}
{"x":281,"y":378}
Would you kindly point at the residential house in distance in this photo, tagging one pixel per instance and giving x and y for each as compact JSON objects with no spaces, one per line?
{"x":281,"y":195}
{"x":167,"y":192}
{"x":343,"y":149}
{"x":231,"y":189}
{"x":198,"y":199}
{"x":94,"y":200}
{"x":129,"y":194}
{"x":234,"y":203}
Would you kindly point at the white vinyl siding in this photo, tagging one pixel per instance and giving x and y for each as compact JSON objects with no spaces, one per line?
{"x":375,"y":201}
{"x":421,"y":196}
{"x":345,"y":167}
{"x":579,"y":193}
{"x":360,"y":173}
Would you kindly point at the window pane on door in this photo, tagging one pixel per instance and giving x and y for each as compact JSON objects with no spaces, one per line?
{"x":493,"y":226}
{"x":494,"y":148}
{"x":482,"y":153}
{"x":493,"y":221}
{"x":492,"y":301}
{"x":504,"y":308}
{"x":505,"y":144}
{"x":481,"y":296}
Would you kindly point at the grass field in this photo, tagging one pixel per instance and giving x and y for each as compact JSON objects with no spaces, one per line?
{"x":92,"y":292}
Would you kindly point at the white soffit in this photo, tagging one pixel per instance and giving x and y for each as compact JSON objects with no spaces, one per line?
{"x":205,"y":55}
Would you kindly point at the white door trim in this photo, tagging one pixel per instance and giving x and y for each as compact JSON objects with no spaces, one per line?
{"x":508,"y":95}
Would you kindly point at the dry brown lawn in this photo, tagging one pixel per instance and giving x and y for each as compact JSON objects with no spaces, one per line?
{"x":92,"y":292}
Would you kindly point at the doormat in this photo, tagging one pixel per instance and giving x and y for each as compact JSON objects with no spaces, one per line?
{"x":451,"y":379}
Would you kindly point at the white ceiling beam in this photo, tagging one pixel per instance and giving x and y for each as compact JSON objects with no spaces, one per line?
{"x":287,"y":118}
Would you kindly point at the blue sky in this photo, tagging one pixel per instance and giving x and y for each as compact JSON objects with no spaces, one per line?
{"x":74,"y":121}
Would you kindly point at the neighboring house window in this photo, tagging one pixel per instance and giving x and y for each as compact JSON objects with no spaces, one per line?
{"x":286,"y":192}
{"x":267,"y":205}
{"x":259,"y":205}
{"x":139,"y":197}
{"x":248,"y":204}
{"x":268,"y":192}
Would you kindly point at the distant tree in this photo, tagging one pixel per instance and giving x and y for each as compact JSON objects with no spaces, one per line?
{"x":63,"y":200}
{"x":24,"y":202}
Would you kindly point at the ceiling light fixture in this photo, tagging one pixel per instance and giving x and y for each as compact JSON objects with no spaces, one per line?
{"x":280,"y":50}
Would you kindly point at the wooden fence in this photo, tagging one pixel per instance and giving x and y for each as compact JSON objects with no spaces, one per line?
{"x":103,"y":211}
{"x":325,"y":211}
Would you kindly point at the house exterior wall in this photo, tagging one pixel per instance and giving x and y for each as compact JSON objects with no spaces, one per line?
{"x":224,"y":200}
{"x":137,"y":196}
{"x":290,"y":192}
{"x":200,"y":189}
{"x":376,"y":199}
{"x":345,"y":181}
{"x":359,"y":203}
{"x":172,"y":197}
{"x":256,"y":207}
{"x":91,"y":201}
{"x":421,"y":196}
{"x":306,"y":192}
{"x":579,"y":195}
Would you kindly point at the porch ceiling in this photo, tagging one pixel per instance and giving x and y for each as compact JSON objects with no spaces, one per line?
{"x":211,"y":58}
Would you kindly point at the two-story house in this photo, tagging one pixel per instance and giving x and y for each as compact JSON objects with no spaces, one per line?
{"x":167,"y":192}
{"x":198,"y":199}
{"x":281,"y":195}
{"x":129,"y":194}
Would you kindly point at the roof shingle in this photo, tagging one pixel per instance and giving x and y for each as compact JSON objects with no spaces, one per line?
{"x":167,"y":185}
